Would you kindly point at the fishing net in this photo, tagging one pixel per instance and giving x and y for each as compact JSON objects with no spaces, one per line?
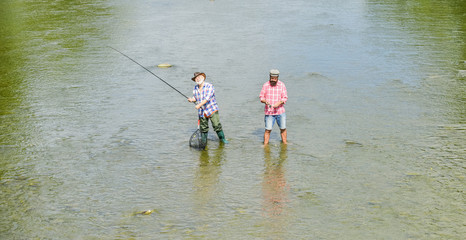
{"x":196,"y":140}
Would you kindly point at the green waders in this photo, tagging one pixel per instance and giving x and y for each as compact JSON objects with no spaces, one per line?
{"x":215,"y":119}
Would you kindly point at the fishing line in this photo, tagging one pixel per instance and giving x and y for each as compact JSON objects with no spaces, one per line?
{"x":196,"y":138}
{"x":150,"y":72}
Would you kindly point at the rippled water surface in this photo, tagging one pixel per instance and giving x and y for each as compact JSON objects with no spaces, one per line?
{"x":376,"y":120}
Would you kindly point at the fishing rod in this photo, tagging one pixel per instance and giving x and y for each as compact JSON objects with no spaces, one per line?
{"x":150,"y":72}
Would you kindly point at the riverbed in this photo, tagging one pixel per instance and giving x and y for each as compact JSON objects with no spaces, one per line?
{"x":89,"y":140}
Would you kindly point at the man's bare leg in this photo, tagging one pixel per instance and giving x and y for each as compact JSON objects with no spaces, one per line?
{"x":266,"y":136}
{"x":283,"y":134}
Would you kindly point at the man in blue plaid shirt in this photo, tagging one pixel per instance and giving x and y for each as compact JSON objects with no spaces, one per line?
{"x":206,"y":105}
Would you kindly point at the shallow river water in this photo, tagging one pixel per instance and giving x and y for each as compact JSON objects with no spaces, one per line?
{"x":375,"y":117}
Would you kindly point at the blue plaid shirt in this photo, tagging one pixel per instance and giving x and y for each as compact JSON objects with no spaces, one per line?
{"x":207,"y":93}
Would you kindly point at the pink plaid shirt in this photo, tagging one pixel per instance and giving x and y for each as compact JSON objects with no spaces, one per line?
{"x":274,"y":94}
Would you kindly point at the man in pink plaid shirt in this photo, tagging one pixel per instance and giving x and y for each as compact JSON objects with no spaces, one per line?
{"x":274,"y":95}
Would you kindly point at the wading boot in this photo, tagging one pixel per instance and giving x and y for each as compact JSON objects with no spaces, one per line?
{"x":203,"y":139}
{"x":221,"y":136}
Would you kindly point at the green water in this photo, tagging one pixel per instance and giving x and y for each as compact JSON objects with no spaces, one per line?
{"x":375,"y":117}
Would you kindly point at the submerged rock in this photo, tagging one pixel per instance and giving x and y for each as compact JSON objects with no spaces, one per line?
{"x":413,"y":174}
{"x":164,"y":65}
{"x":352,"y":143}
{"x":146,"y":212}
{"x":375,"y":203}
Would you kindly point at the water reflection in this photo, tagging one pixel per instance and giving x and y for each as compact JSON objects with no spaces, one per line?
{"x":207,"y":178}
{"x":275,"y":189}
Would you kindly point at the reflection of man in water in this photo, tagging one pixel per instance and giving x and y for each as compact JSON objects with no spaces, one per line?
{"x":206,"y":182}
{"x":274,"y":188}
{"x":274,"y":95}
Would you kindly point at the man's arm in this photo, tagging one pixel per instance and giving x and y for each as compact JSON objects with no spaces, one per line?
{"x":262,"y":95}
{"x":201,"y":104}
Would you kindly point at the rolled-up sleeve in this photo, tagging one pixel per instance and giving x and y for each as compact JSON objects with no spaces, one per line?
{"x":284,"y":94}
{"x":262,"y":94}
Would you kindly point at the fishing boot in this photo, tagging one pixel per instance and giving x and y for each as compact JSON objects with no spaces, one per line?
{"x":221,"y":136}
{"x":203,"y":139}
